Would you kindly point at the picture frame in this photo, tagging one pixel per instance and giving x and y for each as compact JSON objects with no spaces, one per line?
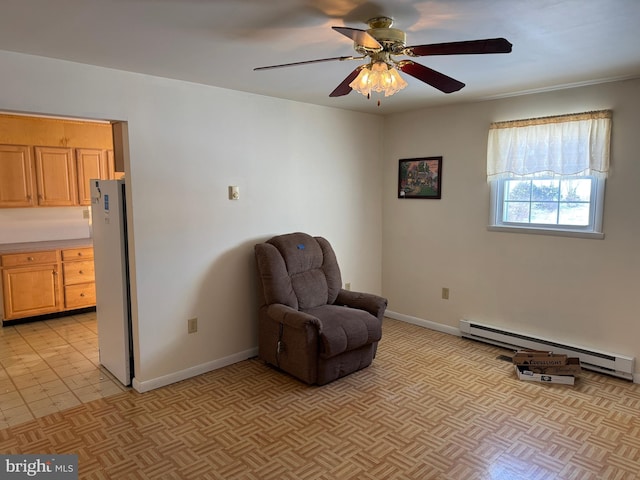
{"x":420,"y":178}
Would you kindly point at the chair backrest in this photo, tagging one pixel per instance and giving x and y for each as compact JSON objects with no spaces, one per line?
{"x":298,"y":270}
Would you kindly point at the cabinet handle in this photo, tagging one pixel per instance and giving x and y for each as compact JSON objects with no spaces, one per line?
{"x":31,"y":259}
{"x":82,"y":294}
{"x":79,"y":254}
{"x":81,"y":272}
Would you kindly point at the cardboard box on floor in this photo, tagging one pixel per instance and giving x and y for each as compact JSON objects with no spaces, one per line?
{"x":543,"y":366}
{"x":527,"y":375}
{"x":538,"y":358}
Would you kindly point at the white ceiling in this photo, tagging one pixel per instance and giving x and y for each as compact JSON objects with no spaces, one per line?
{"x":556,"y":43}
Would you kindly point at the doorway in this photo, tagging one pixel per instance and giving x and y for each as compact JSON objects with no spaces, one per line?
{"x":52,"y":364}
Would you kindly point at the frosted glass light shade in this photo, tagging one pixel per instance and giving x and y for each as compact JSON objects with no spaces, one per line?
{"x":379,"y":78}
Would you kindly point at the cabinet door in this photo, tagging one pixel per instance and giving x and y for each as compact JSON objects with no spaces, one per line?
{"x":56,"y":176}
{"x":91,"y":163}
{"x":110,"y":168}
{"x":30,"y":291}
{"x":16,"y":176}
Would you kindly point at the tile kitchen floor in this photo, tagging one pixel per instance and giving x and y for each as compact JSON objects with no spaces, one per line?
{"x":50,"y":365}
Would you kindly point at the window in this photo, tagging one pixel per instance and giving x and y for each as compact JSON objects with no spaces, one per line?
{"x":548,"y":175}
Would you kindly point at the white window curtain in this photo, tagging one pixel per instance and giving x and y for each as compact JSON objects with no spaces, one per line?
{"x":567,"y":145}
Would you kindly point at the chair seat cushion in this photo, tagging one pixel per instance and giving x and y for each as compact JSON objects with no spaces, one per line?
{"x":344,"y":329}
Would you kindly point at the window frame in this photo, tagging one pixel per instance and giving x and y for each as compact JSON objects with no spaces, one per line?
{"x":596,"y":212}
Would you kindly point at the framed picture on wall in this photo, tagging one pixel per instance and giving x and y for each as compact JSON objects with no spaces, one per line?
{"x":420,"y":177}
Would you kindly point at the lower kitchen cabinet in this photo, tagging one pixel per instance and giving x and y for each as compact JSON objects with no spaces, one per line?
{"x":49,"y":281}
{"x":31,"y":284}
{"x":78,"y":278}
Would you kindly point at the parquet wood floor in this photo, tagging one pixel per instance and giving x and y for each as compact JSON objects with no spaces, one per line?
{"x":432,"y":406}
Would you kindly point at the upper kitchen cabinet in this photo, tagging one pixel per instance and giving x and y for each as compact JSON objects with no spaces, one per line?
{"x":90,"y":163}
{"x":56,"y":177}
{"x":16,"y":176}
{"x":49,"y":161}
{"x":55,"y":132}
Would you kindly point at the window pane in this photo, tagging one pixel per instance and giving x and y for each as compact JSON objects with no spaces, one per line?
{"x":576,"y":190}
{"x":544,"y":212}
{"x":574,"y":214}
{"x":560,"y":204}
{"x":545,"y":190}
{"x":518,"y":190}
{"x":517,"y":212}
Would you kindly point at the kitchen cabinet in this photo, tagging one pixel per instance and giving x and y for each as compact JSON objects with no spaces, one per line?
{"x":31,"y":284}
{"x":54,"y":132}
{"x":78,"y":278}
{"x":90,"y":163}
{"x":112,"y":173}
{"x":59,"y":176}
{"x":16,"y":176}
{"x":49,"y":161}
{"x":56,"y":176}
{"x":48,"y":281}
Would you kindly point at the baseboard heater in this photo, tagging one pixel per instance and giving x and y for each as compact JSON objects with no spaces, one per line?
{"x":609,"y":363}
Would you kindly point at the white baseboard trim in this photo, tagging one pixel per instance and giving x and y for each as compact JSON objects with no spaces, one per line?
{"x":165,"y":380}
{"x":446,"y":329}
{"x":423,"y":323}
{"x":148,"y":385}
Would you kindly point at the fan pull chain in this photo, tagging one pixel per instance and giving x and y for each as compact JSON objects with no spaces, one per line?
{"x":369,"y":98}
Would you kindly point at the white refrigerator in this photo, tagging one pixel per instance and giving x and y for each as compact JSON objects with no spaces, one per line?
{"x":113,"y":299}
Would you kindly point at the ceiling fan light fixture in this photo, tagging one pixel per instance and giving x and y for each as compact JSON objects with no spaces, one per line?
{"x":378,"y":77}
{"x":381,"y":42}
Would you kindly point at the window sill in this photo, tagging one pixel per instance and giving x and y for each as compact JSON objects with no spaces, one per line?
{"x":543,"y":231}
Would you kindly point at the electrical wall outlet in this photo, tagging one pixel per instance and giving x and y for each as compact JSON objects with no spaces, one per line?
{"x":347,"y":286}
{"x":85,"y":214}
{"x":445,"y":293}
{"x":192,"y":325}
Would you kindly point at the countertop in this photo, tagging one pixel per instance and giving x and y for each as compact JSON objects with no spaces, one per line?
{"x":48,"y":245}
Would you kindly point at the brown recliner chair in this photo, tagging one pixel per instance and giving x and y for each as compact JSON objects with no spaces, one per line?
{"x":309,"y":326}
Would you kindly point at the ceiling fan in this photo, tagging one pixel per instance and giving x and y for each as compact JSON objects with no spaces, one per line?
{"x":381,"y":44}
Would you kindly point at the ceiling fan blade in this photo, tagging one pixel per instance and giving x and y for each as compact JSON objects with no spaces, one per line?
{"x":361,"y":37}
{"x":306,"y":62}
{"x":435,"y":79}
{"x":344,"y":88}
{"x":489,"y":45}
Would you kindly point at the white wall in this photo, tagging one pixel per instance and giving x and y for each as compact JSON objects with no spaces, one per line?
{"x":579,"y":291}
{"x":299,"y":168}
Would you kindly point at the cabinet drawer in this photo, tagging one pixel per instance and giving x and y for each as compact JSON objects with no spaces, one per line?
{"x":81,"y":295}
{"x":29,"y":258}
{"x":77,"y":253}
{"x":78,"y":272}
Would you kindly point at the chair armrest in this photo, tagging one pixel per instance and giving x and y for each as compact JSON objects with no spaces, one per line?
{"x":291,"y":317}
{"x":369,"y":302}
{"x":289,"y":339}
